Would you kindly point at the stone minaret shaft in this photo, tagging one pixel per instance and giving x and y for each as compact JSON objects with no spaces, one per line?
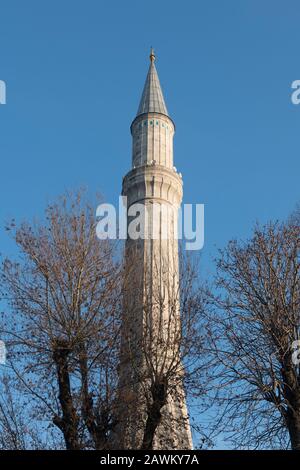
{"x":151,"y":320}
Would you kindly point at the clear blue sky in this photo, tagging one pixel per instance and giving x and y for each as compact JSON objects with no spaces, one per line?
{"x":75,"y":70}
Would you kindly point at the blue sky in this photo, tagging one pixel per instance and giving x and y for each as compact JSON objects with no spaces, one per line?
{"x":75,"y":70}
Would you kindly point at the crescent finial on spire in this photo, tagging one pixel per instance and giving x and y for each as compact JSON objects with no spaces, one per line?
{"x":152,"y":54}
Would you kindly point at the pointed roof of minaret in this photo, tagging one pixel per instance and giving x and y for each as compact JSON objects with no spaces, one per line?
{"x":152,"y":100}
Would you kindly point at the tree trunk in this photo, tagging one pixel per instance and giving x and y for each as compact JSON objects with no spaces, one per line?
{"x":159,"y":399}
{"x":68,"y":423}
{"x":292,"y":396}
{"x":98,"y":424}
{"x":293,"y":423}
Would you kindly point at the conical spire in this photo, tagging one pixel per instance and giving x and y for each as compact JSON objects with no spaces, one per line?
{"x":152,"y":100}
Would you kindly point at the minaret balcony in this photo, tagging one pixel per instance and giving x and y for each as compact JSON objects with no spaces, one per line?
{"x":154,"y":182}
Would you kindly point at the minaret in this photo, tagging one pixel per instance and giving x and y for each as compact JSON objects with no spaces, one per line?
{"x":151,"y":319}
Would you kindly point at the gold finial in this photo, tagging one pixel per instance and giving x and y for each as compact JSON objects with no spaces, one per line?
{"x":152,"y":55}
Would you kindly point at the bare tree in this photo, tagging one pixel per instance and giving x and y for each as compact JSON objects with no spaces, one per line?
{"x":62,"y":322}
{"x":253,"y":325}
